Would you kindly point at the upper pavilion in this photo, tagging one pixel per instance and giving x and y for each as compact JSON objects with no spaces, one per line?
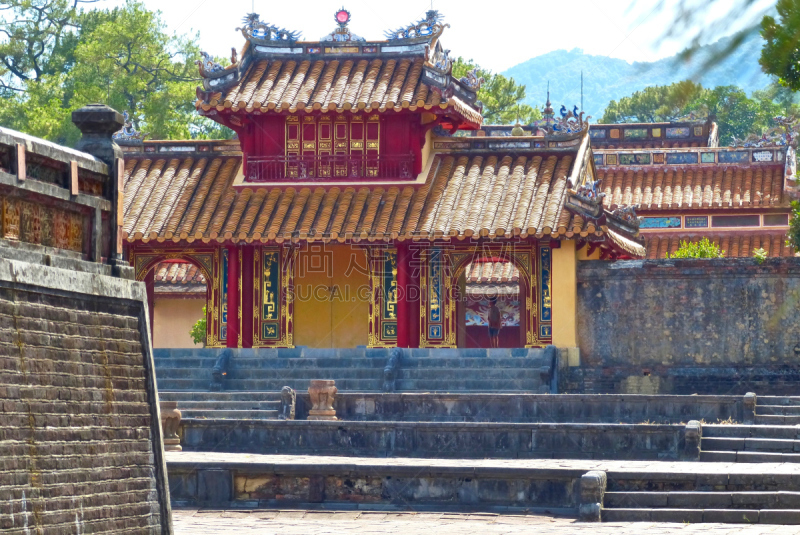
{"x":322,"y":109}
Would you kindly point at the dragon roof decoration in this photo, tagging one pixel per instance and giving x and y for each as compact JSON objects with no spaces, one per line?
{"x":263,"y":33}
{"x":426,"y":27}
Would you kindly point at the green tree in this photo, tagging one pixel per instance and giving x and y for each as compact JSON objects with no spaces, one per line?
{"x":123,"y":57}
{"x":501,"y":97}
{"x":781,"y":53}
{"x":39,"y":36}
{"x":794,"y":227}
{"x":654,"y":104}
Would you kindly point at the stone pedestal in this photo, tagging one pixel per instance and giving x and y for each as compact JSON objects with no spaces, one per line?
{"x":322,"y":394}
{"x":170,"y":423}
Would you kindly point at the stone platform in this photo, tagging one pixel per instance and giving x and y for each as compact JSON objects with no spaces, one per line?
{"x":642,"y":491}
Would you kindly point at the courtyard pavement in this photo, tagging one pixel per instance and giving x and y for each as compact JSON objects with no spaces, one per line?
{"x":284,"y":522}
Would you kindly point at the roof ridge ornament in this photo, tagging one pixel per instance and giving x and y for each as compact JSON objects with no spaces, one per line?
{"x":783,"y":134}
{"x":208,"y":66}
{"x":472,"y":80}
{"x":342,"y":34}
{"x":627,"y":213}
{"x":425,"y":27}
{"x":570,"y":122}
{"x":128,"y":132}
{"x":263,"y":33}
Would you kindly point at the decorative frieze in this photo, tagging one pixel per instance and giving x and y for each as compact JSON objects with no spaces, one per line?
{"x":42,"y":225}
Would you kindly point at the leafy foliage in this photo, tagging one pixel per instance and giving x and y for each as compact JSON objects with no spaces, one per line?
{"x":781,"y":53}
{"x":700,"y":249}
{"x":736,"y":114}
{"x":654,"y":104}
{"x":502,"y":97}
{"x":760,"y":255}
{"x":123,"y":57}
{"x":794,"y":227}
{"x":198,"y":330}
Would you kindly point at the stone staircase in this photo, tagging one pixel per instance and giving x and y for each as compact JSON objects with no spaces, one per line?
{"x":750,"y":443}
{"x":358,"y":370}
{"x":735,"y":498}
{"x":777,"y":410}
{"x":225,"y":405}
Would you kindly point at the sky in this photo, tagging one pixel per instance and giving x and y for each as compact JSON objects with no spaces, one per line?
{"x":497,"y":34}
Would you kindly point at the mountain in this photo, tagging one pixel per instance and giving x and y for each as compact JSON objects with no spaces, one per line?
{"x":606,"y":79}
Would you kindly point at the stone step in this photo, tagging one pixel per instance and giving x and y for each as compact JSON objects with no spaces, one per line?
{"x":718,"y":456}
{"x":777,"y":445}
{"x":748,"y":457}
{"x":432,"y":362}
{"x":777,"y":400}
{"x":273,"y":363}
{"x":180,"y":396}
{"x":229,"y":405}
{"x":266,"y":385}
{"x":777,"y":410}
{"x":697,"y":516}
{"x":755,"y":431}
{"x":475,"y":384}
{"x":230,"y":414}
{"x":704,"y":500}
{"x":776,"y":419}
{"x":481,"y":373}
{"x":271,"y":374}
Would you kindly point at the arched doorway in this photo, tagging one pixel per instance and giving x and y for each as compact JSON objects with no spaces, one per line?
{"x":180,"y":293}
{"x":178,"y":287}
{"x":483,"y":283}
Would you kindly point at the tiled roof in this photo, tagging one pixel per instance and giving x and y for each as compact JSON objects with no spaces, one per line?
{"x":378,"y":84}
{"x":178,"y":273}
{"x":694,"y":188}
{"x":190,"y":197}
{"x":486,"y":272}
{"x":631,"y":247}
{"x":734,"y":244}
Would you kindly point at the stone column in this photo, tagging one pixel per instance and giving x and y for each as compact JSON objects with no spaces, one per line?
{"x":234,"y":334}
{"x":692,"y":436}
{"x":322,"y":394}
{"x":98,"y":123}
{"x":749,"y":408}
{"x":403,"y":309}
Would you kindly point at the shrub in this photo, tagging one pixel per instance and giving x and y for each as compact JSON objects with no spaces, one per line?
{"x":794,"y":227}
{"x":760,"y":255}
{"x":701,"y":249}
{"x":198,"y":331}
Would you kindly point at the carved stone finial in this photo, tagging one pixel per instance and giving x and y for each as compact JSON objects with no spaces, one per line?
{"x":170,"y":425}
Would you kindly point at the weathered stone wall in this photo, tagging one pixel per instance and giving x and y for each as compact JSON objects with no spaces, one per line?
{"x":683,"y":326}
{"x":529,"y":408}
{"x":80,"y":443}
{"x":443,"y":440}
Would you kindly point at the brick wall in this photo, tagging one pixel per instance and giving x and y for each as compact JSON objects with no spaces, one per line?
{"x":80,"y":447}
{"x":688,"y":326}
